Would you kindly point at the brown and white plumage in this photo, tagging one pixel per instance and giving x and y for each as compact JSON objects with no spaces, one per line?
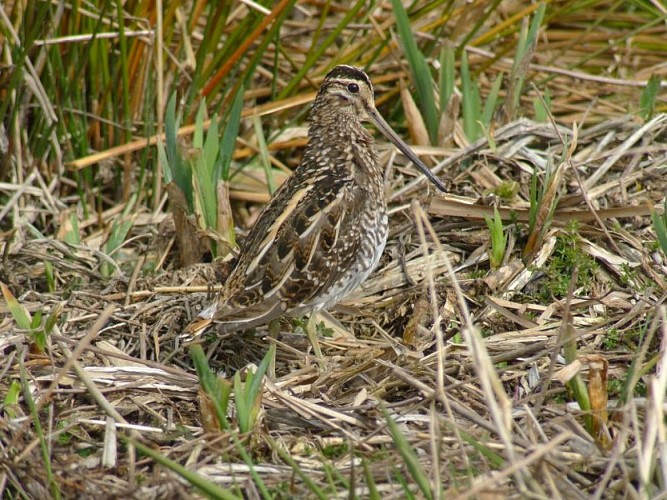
{"x":325,"y":228}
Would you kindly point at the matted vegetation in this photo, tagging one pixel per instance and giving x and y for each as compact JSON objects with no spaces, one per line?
{"x":512,"y":340}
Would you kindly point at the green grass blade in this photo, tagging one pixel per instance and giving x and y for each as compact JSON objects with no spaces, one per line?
{"x":72,"y":234}
{"x":242,"y":409}
{"x":211,"y":149}
{"x":171,"y":124}
{"x":534,"y":200}
{"x":542,"y":106}
{"x":491,"y":100}
{"x":204,"y":168}
{"x":524,"y":52}
{"x":164,"y":163}
{"x":634,"y":373}
{"x":206,"y":201}
{"x":255,"y":387}
{"x":470,"y":102}
{"x":52,"y":319}
{"x":405,"y":486}
{"x":498,"y":239}
{"x":50,"y":277}
{"x":123,"y":68}
{"x":228,"y":141}
{"x":18,"y":312}
{"x":494,"y":458}
{"x":118,"y":235}
{"x":248,"y":394}
{"x":576,"y":384}
{"x":247,"y":459}
{"x":27,"y":395}
{"x":119,"y":231}
{"x":421,"y":75}
{"x":208,"y":488}
{"x":447,"y":75}
{"x":10,"y":403}
{"x":198,"y":135}
{"x":649,"y":97}
{"x":175,"y":168}
{"x":218,"y":392}
{"x":660,"y":228}
{"x":373,"y":493}
{"x":409,"y":456}
{"x":535,"y":24}
{"x":264,"y":154}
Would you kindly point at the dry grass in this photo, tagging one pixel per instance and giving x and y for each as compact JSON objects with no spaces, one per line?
{"x":478,"y":367}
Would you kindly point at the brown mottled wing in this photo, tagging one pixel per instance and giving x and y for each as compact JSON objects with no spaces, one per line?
{"x":294,"y":251}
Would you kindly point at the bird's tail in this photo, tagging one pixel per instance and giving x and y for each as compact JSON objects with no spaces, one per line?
{"x":199,"y":325}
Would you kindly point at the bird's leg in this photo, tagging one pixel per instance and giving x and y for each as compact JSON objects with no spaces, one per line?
{"x":311,"y":331}
{"x":274,"y":331}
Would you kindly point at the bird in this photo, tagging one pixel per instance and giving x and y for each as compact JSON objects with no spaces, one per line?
{"x":324,"y":229}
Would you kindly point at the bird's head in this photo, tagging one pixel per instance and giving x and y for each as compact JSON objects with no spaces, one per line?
{"x":349,"y":91}
{"x":347,"y":95}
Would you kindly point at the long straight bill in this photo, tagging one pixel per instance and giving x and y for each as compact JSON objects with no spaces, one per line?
{"x":389,"y":133}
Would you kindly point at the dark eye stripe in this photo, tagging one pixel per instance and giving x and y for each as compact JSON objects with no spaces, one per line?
{"x":343,"y":87}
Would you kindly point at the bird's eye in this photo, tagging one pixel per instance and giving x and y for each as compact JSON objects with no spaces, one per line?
{"x":353,"y":87}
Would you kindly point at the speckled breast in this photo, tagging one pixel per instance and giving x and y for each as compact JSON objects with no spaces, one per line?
{"x":373,"y":229}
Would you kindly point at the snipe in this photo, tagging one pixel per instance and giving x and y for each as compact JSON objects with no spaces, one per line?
{"x":325,"y":228}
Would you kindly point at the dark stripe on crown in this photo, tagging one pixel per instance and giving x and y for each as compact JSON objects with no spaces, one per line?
{"x":350,"y":72}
